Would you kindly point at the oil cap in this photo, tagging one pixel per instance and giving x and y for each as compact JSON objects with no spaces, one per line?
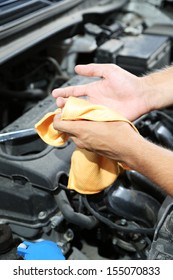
{"x":41,"y":250}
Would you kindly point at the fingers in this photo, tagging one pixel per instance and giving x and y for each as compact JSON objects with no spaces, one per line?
{"x":60,"y":102}
{"x":64,"y":126}
{"x":71,"y":128}
{"x":75,"y":91}
{"x":93,"y":70}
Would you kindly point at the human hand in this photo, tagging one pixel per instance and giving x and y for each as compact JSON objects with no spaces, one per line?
{"x":117,"y":89}
{"x":108,"y":139}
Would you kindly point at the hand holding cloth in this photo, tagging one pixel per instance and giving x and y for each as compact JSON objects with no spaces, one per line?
{"x":90,"y":173}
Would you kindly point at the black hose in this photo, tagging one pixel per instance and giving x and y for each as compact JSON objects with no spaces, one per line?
{"x":70,"y":215}
{"x":164,"y":115}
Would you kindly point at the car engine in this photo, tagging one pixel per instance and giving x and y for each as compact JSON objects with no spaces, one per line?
{"x":132,"y":218}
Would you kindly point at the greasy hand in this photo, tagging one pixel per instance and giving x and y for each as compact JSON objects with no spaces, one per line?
{"x":117,"y":89}
{"x":108,"y":139}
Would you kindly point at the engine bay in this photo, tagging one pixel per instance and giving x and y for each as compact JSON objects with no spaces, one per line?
{"x":132,"y":218}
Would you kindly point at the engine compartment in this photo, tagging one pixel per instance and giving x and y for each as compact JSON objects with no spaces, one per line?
{"x":132,"y":219}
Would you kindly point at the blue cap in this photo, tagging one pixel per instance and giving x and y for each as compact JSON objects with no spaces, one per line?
{"x":42,"y":250}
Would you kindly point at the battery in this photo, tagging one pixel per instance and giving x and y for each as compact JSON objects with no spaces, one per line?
{"x":144,"y":53}
{"x":107,"y":52}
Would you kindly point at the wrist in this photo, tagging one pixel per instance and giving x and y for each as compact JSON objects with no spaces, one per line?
{"x":158,"y":89}
{"x":149,"y":92}
{"x":127,"y":149}
{"x":134,"y":150}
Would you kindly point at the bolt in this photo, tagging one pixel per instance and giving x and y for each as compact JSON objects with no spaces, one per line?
{"x":42,"y":215}
{"x":69,"y":235}
{"x":123,"y":222}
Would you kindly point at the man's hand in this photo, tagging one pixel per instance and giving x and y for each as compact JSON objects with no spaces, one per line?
{"x":108,"y":139}
{"x":117,"y":89}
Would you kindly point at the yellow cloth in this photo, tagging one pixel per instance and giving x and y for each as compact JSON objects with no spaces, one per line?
{"x":89,"y":173}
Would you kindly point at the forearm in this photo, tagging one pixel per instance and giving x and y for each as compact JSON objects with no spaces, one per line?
{"x":158,"y":88}
{"x":152,"y":161}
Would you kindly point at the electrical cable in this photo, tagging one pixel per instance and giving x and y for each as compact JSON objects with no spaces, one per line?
{"x":148,"y":231}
